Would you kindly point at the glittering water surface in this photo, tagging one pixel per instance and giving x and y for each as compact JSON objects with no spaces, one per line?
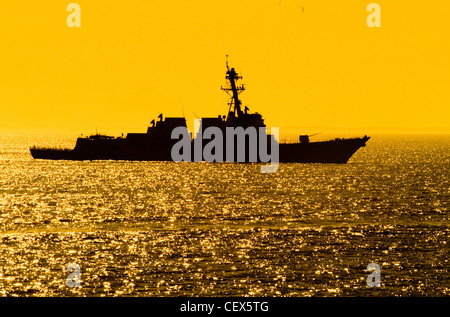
{"x":200,"y":229}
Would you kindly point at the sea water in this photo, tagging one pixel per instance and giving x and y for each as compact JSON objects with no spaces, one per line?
{"x":225,"y":229}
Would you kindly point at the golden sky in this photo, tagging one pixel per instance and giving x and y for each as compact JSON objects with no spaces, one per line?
{"x":312,"y":63}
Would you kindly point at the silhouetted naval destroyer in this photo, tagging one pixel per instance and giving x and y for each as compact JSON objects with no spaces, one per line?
{"x":157,"y":143}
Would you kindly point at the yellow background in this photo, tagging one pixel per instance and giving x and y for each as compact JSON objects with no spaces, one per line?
{"x":307,"y":65}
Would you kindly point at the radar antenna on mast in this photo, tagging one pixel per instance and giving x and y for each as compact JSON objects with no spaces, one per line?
{"x":233,"y":91}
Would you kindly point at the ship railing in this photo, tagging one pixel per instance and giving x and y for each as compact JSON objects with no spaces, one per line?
{"x":44,"y":148}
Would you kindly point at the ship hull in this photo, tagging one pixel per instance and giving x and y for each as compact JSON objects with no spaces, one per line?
{"x":53,"y":154}
{"x":334,"y":151}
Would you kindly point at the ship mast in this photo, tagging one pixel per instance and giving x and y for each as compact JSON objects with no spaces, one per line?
{"x":233,"y":90}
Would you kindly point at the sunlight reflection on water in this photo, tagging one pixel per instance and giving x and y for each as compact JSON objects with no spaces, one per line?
{"x":188,"y":229}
